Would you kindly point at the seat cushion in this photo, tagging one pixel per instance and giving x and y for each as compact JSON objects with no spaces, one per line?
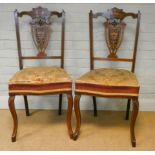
{"x":108,"y":82}
{"x":40,"y":80}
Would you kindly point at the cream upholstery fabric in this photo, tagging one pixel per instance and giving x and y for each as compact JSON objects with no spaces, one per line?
{"x":40,"y":75}
{"x":109,"y":77}
{"x":40,"y":80}
{"x":108,"y":81}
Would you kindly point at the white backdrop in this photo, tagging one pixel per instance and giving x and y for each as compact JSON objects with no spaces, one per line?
{"x":77,"y":51}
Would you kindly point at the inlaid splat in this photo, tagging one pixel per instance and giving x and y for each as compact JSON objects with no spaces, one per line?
{"x":41,"y":29}
{"x":114,"y":30}
{"x":114,"y":36}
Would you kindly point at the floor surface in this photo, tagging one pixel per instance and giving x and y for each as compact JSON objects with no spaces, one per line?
{"x":46,"y":130}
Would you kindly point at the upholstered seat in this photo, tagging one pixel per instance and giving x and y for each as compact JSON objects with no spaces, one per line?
{"x":108,"y":82}
{"x":40,"y":80}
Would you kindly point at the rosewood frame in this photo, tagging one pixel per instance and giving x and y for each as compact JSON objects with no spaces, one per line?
{"x":121,"y":15}
{"x":21,"y":58}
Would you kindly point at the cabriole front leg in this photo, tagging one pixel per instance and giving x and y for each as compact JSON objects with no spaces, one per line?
{"x":78,"y":116}
{"x":14,"y":116}
{"x":69,"y":115}
{"x":135,"y":110}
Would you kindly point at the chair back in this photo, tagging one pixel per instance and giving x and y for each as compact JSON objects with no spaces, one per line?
{"x":41,"y":30}
{"x":114,"y":26}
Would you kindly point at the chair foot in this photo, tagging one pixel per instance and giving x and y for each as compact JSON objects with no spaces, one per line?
{"x":133,"y":143}
{"x":75,"y":136}
{"x":27,"y":114}
{"x":95,"y":114}
{"x":59,"y":113}
{"x":13,"y":139}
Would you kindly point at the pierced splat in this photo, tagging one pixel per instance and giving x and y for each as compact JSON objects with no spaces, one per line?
{"x":41,"y":29}
{"x":114,"y":36}
{"x":114,"y":30}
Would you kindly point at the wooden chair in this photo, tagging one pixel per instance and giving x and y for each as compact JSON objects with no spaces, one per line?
{"x":40,"y":80}
{"x":110,"y":82}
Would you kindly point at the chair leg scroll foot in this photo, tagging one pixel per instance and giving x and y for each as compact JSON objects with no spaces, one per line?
{"x":14,"y":116}
{"x":133,"y":143}
{"x":13,"y":139}
{"x":75,"y":136}
{"x":133,"y":120}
